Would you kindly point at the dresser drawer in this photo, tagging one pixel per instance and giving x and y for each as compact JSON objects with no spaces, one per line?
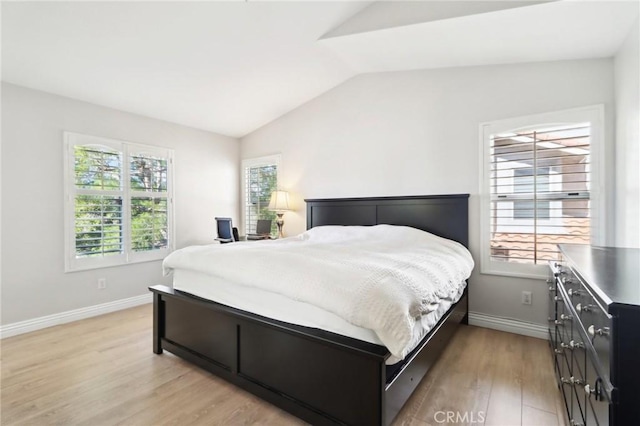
{"x":595,"y":329}
{"x":565,"y":383}
{"x":597,"y":413}
{"x":599,"y":332}
{"x":578,"y":359}
{"x":596,"y":397}
{"x":563,"y":323}
{"x":577,"y":411}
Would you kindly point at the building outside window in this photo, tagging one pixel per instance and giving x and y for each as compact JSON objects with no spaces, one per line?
{"x":524,"y":181}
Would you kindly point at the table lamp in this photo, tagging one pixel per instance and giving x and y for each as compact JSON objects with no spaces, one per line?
{"x":279,"y":203}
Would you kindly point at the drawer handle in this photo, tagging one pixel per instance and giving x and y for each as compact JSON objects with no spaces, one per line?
{"x":558,"y":298}
{"x":573,"y":292}
{"x":558,"y":323}
{"x":572,"y":381}
{"x":594,"y":390}
{"x":558,"y":352}
{"x":593,"y":332}
{"x":586,"y":308}
{"x":574,"y":345}
{"x":552,"y":289}
{"x":564,"y":317}
{"x":589,"y":390}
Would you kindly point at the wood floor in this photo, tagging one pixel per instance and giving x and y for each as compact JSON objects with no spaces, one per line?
{"x":101,"y":371}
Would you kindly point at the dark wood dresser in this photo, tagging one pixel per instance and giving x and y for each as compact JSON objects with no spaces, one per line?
{"x":594,"y":332}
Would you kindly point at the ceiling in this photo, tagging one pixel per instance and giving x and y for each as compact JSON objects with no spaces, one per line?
{"x":232,"y":67}
{"x":551,"y":31}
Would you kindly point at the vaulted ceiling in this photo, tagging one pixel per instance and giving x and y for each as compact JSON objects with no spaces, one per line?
{"x":231,"y":67}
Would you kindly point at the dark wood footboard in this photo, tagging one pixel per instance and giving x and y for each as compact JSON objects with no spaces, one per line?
{"x":321,"y":377}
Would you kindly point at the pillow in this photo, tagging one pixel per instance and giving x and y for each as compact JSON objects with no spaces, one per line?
{"x":337,"y":233}
{"x":334,"y":233}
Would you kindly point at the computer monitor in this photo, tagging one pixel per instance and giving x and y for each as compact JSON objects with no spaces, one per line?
{"x":263,"y":227}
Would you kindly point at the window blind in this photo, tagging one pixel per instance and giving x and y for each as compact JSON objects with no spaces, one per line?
{"x":149,"y":202}
{"x":98,"y":225}
{"x":260,"y":182}
{"x":540,"y":183}
{"x":98,"y":202}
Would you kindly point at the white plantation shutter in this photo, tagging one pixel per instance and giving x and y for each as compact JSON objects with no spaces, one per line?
{"x":98,"y":225}
{"x":149,"y":202}
{"x":540,"y":184}
{"x":118,"y":207}
{"x":260,"y":179}
{"x":98,"y":201}
{"x":152,"y":232}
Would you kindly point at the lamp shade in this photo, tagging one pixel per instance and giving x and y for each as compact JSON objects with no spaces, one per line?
{"x":279,"y":201}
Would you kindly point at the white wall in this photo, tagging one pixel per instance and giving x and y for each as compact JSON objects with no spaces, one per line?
{"x":33,"y":281}
{"x":627,"y":95}
{"x":417,"y":132}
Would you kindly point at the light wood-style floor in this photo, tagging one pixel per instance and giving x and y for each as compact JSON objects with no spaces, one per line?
{"x":101,"y":371}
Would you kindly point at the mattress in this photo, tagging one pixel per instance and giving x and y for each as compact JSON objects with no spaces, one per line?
{"x":383,"y":278}
{"x":281,"y":308}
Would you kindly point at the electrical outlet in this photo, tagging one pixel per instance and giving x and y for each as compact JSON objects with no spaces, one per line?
{"x":526,"y":297}
{"x":102,"y":283}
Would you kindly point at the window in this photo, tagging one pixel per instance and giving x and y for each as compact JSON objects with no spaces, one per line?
{"x":260,"y":179}
{"x":118,"y":206}
{"x":538,"y":189}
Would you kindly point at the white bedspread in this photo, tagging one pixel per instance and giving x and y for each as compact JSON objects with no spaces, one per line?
{"x":382,"y":277}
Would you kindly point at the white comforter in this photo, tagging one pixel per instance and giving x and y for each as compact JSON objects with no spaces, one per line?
{"x":382,"y":277}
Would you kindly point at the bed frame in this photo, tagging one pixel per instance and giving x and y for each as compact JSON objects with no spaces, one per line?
{"x":320,"y":377}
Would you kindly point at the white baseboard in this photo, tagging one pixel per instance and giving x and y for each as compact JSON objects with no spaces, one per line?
{"x":509,"y":325}
{"x":77,"y":314}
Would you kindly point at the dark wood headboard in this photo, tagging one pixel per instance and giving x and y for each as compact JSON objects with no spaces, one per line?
{"x":443,"y":215}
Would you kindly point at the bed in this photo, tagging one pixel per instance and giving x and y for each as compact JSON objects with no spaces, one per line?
{"x":319,"y":376}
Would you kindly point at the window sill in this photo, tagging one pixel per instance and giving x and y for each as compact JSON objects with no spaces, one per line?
{"x":542,"y":275}
{"x":88,"y":266}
